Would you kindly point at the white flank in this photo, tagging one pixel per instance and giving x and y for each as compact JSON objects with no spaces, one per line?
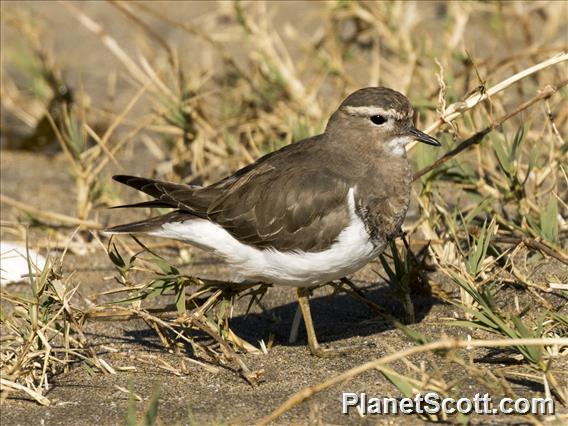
{"x":352,"y":250}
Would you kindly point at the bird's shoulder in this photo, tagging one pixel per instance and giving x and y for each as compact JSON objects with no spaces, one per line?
{"x":293,"y":156}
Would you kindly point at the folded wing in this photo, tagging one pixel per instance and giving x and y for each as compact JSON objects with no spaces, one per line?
{"x":283,"y":202}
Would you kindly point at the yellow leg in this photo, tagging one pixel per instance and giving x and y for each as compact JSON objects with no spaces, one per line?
{"x":315,"y":348}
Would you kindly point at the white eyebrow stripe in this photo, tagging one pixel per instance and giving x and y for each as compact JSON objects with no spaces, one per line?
{"x":368,"y":111}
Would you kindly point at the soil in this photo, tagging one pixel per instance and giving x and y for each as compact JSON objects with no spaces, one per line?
{"x":82,"y":397}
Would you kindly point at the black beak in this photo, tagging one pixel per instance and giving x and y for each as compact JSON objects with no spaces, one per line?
{"x":423,"y":137}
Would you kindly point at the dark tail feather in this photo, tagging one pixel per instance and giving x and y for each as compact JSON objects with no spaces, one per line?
{"x":168,"y":194}
{"x":149,"y":225}
{"x":151,"y":187}
{"x":150,"y":204}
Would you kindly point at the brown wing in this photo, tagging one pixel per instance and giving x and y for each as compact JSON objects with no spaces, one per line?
{"x":284,"y":202}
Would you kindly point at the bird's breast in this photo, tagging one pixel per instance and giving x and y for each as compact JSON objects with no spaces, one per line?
{"x":385,"y":200}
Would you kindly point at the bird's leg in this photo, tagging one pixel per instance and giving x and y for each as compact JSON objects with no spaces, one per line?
{"x":315,"y":348}
{"x":295,"y":326}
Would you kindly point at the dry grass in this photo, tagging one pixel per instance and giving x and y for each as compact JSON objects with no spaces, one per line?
{"x":492,"y":208}
{"x":42,"y":333}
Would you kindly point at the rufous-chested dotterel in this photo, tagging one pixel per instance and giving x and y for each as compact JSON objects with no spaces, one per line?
{"x":312,"y":212}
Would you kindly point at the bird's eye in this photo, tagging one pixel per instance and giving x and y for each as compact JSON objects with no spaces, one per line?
{"x":378,"y":119}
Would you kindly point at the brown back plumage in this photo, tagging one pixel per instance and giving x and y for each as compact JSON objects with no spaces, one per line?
{"x":267,"y":204}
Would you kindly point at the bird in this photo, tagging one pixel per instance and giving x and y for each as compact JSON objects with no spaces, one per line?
{"x":309,"y":213}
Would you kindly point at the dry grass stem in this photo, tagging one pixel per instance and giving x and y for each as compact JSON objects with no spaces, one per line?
{"x":446,"y":344}
{"x":456,"y":109}
{"x":58,"y":217}
{"x":192,"y":94}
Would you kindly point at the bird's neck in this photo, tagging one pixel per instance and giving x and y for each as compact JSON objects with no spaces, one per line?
{"x":389,"y":186}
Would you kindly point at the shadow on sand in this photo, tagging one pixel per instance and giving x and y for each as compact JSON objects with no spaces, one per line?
{"x":336,"y":317}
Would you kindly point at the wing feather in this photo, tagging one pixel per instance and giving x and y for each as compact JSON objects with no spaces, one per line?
{"x":285,"y":210}
{"x":284,"y":201}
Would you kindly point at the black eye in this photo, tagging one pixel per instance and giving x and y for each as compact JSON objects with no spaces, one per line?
{"x":378,"y":119}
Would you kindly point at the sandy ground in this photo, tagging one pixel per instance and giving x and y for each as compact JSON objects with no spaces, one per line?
{"x":80,"y":397}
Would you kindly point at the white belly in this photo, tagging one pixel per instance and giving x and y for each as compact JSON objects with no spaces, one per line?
{"x":352,"y":250}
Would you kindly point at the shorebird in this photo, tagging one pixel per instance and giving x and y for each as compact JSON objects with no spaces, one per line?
{"x":307,"y":214}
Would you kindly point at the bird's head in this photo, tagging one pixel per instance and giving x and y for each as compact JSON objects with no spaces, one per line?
{"x":378,"y":115}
